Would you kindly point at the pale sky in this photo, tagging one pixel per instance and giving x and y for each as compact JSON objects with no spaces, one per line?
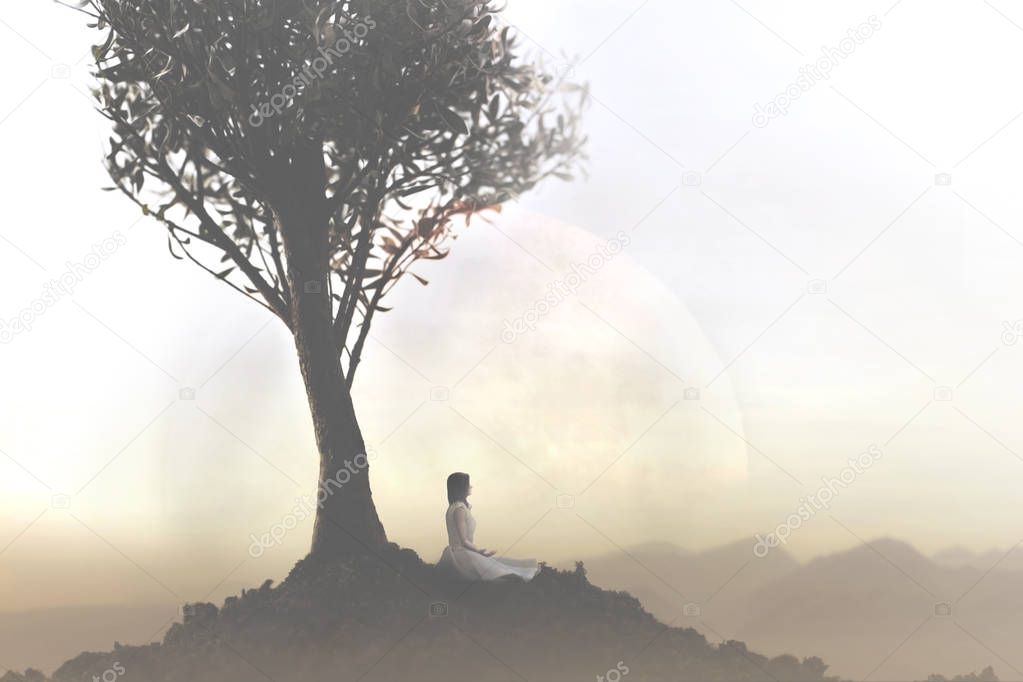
{"x":810,"y":278}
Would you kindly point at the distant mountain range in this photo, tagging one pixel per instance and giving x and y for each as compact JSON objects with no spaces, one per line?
{"x":881,"y":611}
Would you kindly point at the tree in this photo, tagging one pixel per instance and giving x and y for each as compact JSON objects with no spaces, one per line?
{"x":309,"y":153}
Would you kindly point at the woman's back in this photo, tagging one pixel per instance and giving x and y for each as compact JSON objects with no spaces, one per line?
{"x":451,"y":519}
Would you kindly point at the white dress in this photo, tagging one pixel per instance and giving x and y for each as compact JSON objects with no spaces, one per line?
{"x":470,"y":565}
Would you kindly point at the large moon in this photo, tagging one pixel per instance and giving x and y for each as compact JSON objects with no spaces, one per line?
{"x":568,"y":381}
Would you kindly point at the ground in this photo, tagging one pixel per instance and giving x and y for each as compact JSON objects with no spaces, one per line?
{"x":391,"y":616}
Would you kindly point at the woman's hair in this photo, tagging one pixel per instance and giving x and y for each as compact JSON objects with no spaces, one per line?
{"x":458,"y":487}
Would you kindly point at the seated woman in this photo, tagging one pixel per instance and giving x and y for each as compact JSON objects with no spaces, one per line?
{"x":463,"y":559}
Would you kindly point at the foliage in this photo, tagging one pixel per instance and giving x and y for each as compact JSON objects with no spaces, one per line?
{"x":383,"y":120}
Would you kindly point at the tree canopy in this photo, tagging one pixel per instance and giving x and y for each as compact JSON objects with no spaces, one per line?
{"x":412,"y":114}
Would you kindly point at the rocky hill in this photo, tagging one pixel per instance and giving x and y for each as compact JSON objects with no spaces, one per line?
{"x":392,"y":616}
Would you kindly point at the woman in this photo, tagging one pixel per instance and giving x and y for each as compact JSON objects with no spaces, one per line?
{"x":462,"y":558}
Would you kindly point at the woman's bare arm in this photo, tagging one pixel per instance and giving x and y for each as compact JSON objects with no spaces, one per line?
{"x":462,"y":524}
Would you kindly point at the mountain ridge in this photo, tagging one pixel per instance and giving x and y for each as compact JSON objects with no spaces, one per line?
{"x":855,"y":608}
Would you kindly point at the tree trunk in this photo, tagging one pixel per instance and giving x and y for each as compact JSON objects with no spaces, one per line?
{"x":346,"y":518}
